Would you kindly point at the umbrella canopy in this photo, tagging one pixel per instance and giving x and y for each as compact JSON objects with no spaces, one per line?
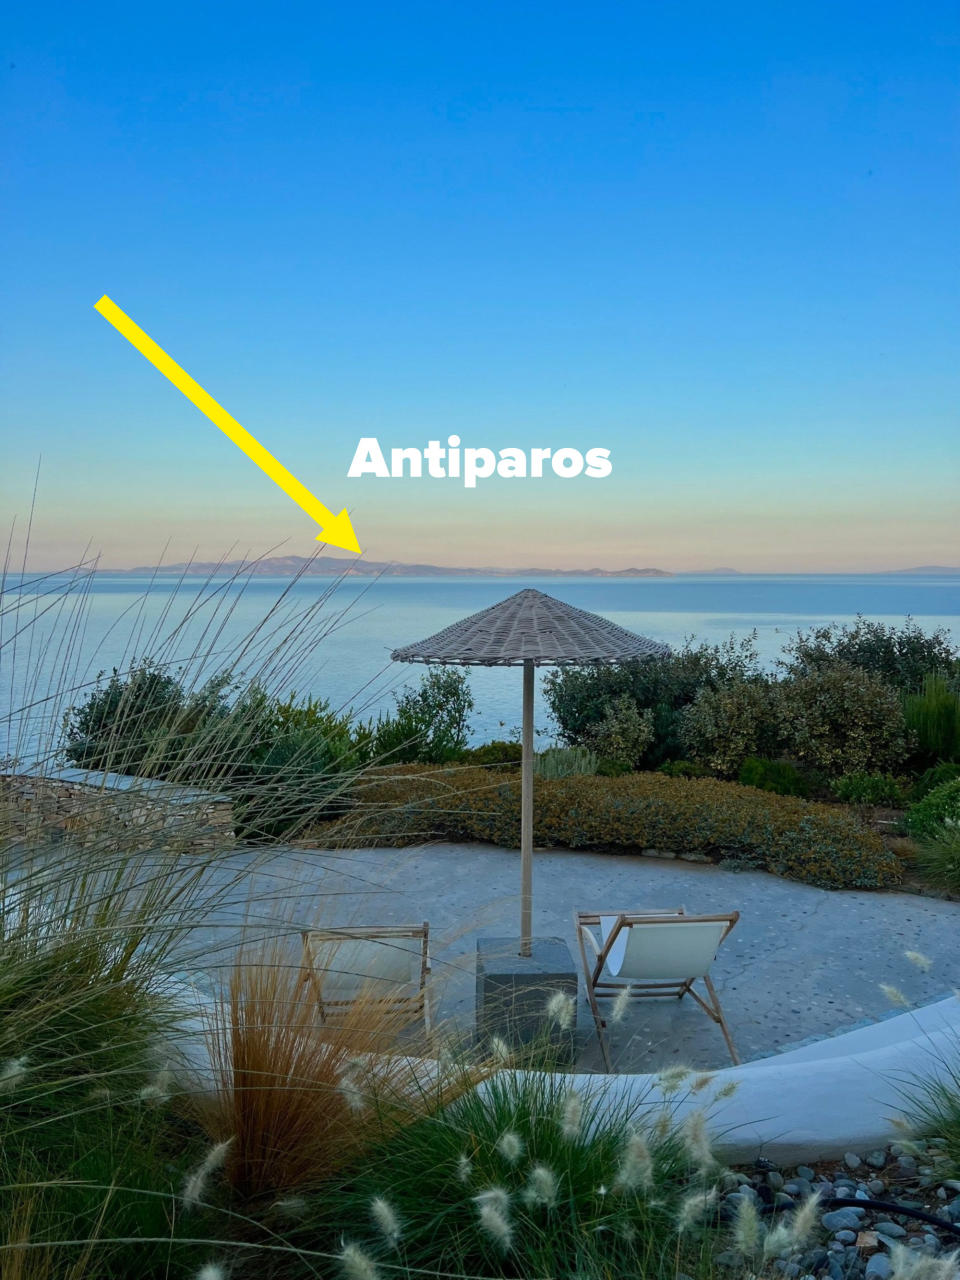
{"x":530,"y":629}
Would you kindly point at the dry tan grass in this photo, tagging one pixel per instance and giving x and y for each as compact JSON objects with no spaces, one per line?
{"x":297,"y":1099}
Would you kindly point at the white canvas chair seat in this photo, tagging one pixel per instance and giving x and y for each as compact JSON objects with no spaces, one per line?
{"x":388,"y":964}
{"x":651,"y":953}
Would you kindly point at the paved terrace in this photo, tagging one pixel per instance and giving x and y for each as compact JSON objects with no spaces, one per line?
{"x":803,"y":962}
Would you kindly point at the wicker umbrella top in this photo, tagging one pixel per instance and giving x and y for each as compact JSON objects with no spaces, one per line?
{"x":534,"y":626}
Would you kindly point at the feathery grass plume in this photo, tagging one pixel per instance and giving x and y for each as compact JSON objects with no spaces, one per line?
{"x":542,"y":1187}
{"x":919,"y":960}
{"x":500,"y":1050}
{"x":620,"y":1004}
{"x":159,"y":1089}
{"x":672,"y":1078}
{"x":572,"y":1115}
{"x":636,"y":1165}
{"x":910,"y":1264}
{"x":562,"y":1009}
{"x":196,"y":1183}
{"x":663,"y":1125}
{"x":290,"y":1206}
{"x":894,"y":995}
{"x":496,"y":1197}
{"x":777,"y":1240}
{"x":358,"y":1265}
{"x":693,"y":1207}
{"x":726,"y":1090}
{"x":746,"y":1227}
{"x":510,"y":1146}
{"x":212,"y":1271}
{"x":496,"y":1226}
{"x":386,"y":1220}
{"x":464,"y":1168}
{"x":700,"y":1082}
{"x":349,"y":1090}
{"x":697,"y":1141}
{"x":902,"y":1125}
{"x":805,"y":1220}
{"x":12,"y":1073}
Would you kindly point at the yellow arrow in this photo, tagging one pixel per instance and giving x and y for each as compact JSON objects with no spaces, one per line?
{"x":336,"y":529}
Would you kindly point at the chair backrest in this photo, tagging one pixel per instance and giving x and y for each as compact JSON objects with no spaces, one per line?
{"x":661,"y":950}
{"x":380,"y":967}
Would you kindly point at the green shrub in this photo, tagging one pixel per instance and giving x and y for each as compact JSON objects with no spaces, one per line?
{"x":900,"y":656}
{"x":841,"y":719}
{"x":431,"y":722}
{"x":778,"y":776}
{"x":939,"y":808}
{"x":722,"y":727}
{"x":608,"y":768}
{"x":497,"y":752}
{"x":868,"y":788}
{"x":684,"y":769}
{"x":933,"y":717}
{"x":933,"y":777}
{"x":564,"y":762}
{"x":818,"y":844}
{"x":579,"y":698}
{"x":625,"y":733}
{"x":938,"y":858}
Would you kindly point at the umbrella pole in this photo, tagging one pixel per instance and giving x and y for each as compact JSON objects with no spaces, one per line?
{"x":526,"y":813}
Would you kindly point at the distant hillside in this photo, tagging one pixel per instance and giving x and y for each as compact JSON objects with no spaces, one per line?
{"x":333,"y":566}
{"x":930,"y":568}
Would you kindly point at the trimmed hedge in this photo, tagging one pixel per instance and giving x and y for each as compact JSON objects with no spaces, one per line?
{"x":814,"y":843}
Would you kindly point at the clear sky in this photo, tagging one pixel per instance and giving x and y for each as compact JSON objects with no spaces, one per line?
{"x":718,"y":239}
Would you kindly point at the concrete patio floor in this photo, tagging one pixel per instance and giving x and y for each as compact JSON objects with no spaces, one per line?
{"x":803,"y":962}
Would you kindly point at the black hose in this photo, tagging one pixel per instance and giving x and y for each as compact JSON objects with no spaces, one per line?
{"x":886,"y":1206}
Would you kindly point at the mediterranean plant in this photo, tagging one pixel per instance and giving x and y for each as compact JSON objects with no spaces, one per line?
{"x":900,"y":656}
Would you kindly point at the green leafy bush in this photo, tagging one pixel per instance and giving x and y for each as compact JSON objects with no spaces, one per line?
{"x":778,"y":776}
{"x":933,"y":777}
{"x":431,"y":722}
{"x":939,"y":808}
{"x":580,"y":697}
{"x":722,"y":727}
{"x":898,"y":655}
{"x":564,"y":762}
{"x":868,"y":788}
{"x":938,"y":859}
{"x":497,"y":752}
{"x":933,"y":717}
{"x":815,"y":843}
{"x":841,"y":719}
{"x":684,"y":769}
{"x":625,"y":733}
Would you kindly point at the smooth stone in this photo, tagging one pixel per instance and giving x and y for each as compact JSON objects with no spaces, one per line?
{"x":887,"y":1241}
{"x":878,"y":1267}
{"x":852,"y":1161}
{"x":892,"y":1229}
{"x":876,"y":1159}
{"x":789,"y":1269}
{"x":804,"y":1171}
{"x":876,"y":1186}
{"x":775,"y":1180}
{"x":842,"y":1219}
{"x":847,"y":1237}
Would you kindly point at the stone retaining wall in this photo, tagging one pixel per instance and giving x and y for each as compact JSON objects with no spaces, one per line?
{"x":113,"y":811}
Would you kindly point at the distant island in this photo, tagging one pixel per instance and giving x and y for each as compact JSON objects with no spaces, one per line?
{"x":335,"y":566}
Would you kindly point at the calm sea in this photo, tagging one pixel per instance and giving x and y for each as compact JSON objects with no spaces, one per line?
{"x":345,"y":653}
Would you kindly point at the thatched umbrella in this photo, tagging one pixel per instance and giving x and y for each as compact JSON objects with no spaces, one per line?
{"x":530,"y":629}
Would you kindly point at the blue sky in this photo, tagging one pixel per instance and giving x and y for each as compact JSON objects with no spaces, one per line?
{"x":719,"y":240}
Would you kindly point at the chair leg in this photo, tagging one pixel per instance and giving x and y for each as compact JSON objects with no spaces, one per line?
{"x":594,"y":1007}
{"x":721,"y":1019}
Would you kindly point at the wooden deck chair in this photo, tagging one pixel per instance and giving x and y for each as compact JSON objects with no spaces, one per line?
{"x":386,"y":963}
{"x":651,"y":953}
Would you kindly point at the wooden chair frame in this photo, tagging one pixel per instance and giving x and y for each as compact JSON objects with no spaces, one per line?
{"x":599,"y":987}
{"x":418,"y":1003}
